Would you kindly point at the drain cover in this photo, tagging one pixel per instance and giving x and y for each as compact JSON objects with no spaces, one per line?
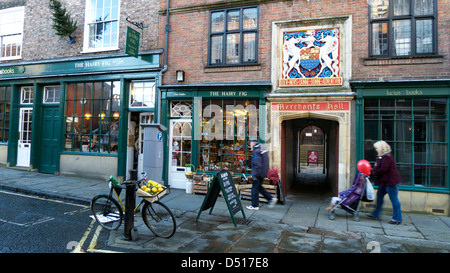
{"x":242,"y":221}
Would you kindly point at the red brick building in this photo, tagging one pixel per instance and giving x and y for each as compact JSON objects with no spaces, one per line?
{"x":330,"y":77}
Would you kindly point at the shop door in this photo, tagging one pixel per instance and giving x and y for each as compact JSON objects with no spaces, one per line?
{"x":144,"y":118}
{"x":24,"y":143}
{"x":49,"y":139}
{"x":180,"y":155}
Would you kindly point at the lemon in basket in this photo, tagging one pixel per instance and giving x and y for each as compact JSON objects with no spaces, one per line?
{"x":144,"y":187}
{"x":160,"y":189}
{"x":154,"y":189}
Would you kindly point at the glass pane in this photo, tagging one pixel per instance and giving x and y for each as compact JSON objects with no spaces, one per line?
{"x":401,"y":7}
{"x":424,"y":7}
{"x":438,"y":177}
{"x":420,"y":175}
{"x":438,"y":131}
{"x":232,"y":48}
{"x":420,"y":130}
{"x":421,"y":153}
{"x":217,"y":22}
{"x":387,"y":109}
{"x":403,"y":109}
{"x":249,"y":47}
{"x":424,"y":36}
{"x":404,"y":130}
{"x":387,"y":130}
{"x":402,"y":37}
{"x":439,"y":108}
{"x":380,"y":38}
{"x":371,"y":109}
{"x":369,"y":151}
{"x":233,"y":20}
{"x":379,"y":9}
{"x":216,"y":49}
{"x":403,"y":152}
{"x":250,"y":18}
{"x":438,"y":154}
{"x":421,"y":109}
{"x":405,"y":173}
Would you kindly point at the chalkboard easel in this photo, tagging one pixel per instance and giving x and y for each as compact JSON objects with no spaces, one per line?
{"x":223,"y":181}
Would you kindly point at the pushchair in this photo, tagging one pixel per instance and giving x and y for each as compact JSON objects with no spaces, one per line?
{"x":351,"y":198}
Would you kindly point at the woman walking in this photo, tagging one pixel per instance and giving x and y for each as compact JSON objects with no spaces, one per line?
{"x":388,"y":180}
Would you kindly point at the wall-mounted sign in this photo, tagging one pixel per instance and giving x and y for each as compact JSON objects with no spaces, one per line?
{"x":311,"y":58}
{"x":132,"y":43}
{"x":311,"y":106}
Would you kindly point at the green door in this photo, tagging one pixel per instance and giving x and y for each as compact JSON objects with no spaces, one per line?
{"x":49,"y":156}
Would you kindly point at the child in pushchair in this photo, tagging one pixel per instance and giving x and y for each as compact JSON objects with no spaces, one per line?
{"x":350,"y":200}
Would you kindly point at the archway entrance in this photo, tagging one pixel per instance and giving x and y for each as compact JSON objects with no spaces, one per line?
{"x":310,"y":155}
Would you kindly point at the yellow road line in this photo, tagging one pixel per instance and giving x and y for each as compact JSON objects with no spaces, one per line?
{"x":78,"y":248}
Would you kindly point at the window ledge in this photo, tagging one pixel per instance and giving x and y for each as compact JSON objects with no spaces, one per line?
{"x":403,"y":60}
{"x":232,"y":68}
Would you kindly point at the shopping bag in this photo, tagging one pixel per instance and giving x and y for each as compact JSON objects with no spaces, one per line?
{"x":370,"y":192}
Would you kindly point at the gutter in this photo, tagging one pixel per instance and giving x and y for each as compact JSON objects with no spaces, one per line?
{"x":166,"y":58}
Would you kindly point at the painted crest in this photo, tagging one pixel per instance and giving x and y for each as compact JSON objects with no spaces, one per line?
{"x":311,"y":58}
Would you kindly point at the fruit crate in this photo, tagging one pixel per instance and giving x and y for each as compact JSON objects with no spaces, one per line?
{"x":151,"y":198}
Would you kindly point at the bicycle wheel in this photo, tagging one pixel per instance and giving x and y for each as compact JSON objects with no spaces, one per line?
{"x":107,"y":211}
{"x":159,"y":219}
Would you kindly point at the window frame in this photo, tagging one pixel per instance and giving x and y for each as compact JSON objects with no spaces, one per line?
{"x":239,"y":31}
{"x":413,"y":18}
{"x":19,"y":56}
{"x":88,"y":22}
{"x":5,"y":113}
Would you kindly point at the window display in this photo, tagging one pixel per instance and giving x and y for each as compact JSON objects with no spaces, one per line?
{"x":226,"y":133}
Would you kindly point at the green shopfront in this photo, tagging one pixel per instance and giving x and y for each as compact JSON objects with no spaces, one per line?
{"x":210,"y":127}
{"x":78,"y":115}
{"x":413,"y":117}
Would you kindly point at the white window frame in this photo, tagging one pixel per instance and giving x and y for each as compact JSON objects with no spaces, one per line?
{"x":2,"y":13}
{"x":54,"y":99}
{"x":139,"y":90}
{"x":88,"y":21}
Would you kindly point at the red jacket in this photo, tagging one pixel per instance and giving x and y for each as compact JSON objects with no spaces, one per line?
{"x":385,"y":171}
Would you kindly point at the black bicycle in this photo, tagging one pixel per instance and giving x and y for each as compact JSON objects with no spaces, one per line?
{"x":109,"y":212}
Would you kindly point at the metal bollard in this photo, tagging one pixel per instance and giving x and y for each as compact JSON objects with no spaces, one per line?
{"x":130,"y":232}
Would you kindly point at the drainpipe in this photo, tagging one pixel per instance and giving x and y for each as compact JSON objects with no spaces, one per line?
{"x":166,"y":57}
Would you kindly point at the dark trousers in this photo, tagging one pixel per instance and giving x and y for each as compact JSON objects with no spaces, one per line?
{"x":256,"y":189}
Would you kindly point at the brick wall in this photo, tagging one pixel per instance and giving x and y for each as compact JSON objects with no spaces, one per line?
{"x":41,"y":42}
{"x":188,"y":46}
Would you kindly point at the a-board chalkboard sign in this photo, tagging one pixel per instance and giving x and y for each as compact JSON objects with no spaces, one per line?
{"x":223,"y":181}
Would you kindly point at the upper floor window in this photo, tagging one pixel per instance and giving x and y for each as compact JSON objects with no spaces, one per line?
{"x":102,"y":25}
{"x":402,"y":28}
{"x":233,"y":36}
{"x":11,"y":32}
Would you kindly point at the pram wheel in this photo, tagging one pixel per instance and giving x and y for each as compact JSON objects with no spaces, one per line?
{"x":332,"y":215}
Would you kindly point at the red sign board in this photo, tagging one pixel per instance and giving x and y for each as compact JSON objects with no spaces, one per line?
{"x":313,"y":157}
{"x":311,"y":106}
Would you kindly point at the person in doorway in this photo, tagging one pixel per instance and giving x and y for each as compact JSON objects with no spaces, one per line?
{"x":388,"y":180}
{"x":260,"y":167}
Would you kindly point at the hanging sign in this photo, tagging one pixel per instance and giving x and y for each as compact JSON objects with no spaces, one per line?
{"x":223,"y":181}
{"x":132,"y":43}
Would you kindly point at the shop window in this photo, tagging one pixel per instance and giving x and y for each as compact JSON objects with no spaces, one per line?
{"x":92,"y":117}
{"x":142,"y":95}
{"x":5,"y":107}
{"x":416,"y":129}
{"x":402,"y":28}
{"x":227,"y":126}
{"x":11,"y":32}
{"x":233,"y":38}
{"x":51,"y":94}
{"x":101,"y":25}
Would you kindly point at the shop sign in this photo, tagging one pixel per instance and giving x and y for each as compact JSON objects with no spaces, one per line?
{"x":132,"y":42}
{"x":311,"y":58}
{"x":313,"y":157}
{"x":222,"y":182}
{"x":311,"y":106}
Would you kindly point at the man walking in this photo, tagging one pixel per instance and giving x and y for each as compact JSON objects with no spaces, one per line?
{"x":260,"y":167}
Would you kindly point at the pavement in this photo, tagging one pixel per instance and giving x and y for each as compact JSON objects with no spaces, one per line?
{"x":300,"y":225}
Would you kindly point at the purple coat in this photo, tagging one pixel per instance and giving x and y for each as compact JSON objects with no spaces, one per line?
{"x":385,"y":171}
